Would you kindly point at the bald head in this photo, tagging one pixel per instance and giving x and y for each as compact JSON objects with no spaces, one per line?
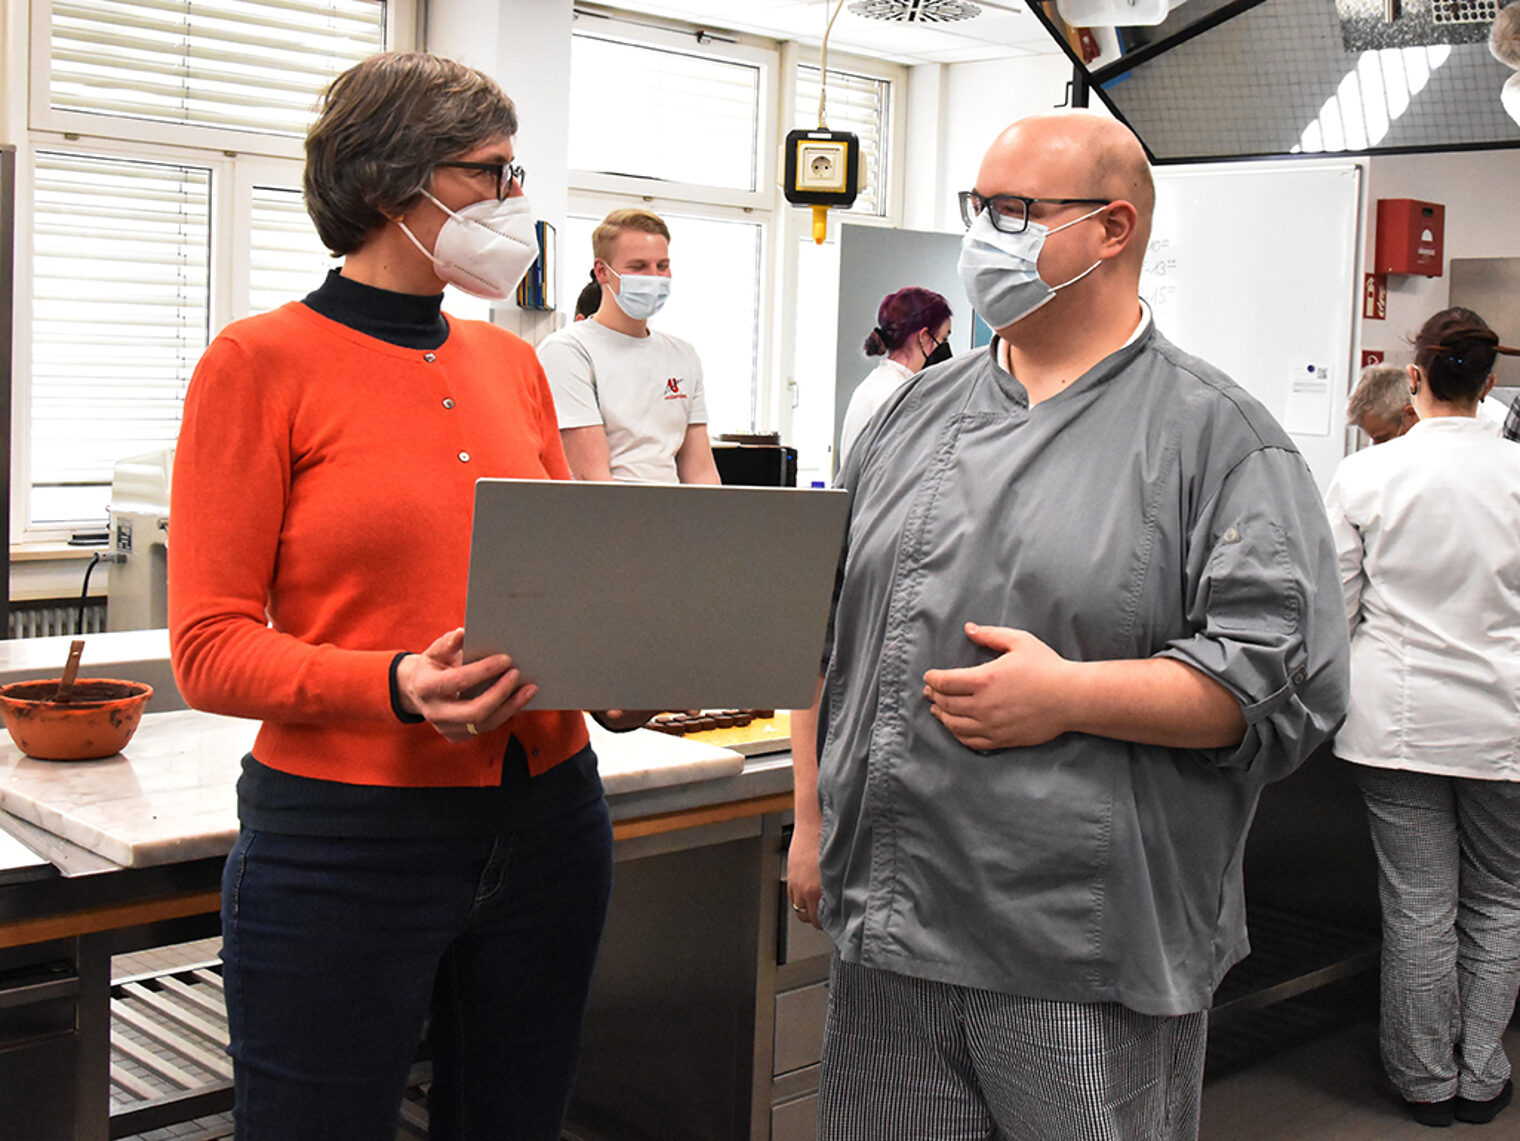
{"x":1073,"y":154}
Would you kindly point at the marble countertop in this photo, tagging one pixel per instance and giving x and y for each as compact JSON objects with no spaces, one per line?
{"x":170,"y":796}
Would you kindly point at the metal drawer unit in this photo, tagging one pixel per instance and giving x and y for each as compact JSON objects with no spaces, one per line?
{"x":800,"y":987}
{"x":39,"y":1050}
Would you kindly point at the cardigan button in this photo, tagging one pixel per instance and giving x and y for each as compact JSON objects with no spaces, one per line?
{"x":430,"y":357}
{"x":464,"y":457}
{"x":448,"y":402}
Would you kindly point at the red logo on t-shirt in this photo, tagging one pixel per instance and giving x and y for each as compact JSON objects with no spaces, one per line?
{"x":673,"y":389}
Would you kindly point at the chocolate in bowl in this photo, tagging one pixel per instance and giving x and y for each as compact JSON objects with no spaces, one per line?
{"x":97,"y":720}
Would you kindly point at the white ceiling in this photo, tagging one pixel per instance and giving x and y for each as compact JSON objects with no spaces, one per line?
{"x":1005,"y":29}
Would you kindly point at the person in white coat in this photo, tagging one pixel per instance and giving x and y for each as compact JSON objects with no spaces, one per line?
{"x":1427,"y":530}
{"x":912,"y":332}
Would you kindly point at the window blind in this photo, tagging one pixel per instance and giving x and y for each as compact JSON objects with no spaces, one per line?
{"x":246,"y":65}
{"x":857,"y":103}
{"x":655,"y":113}
{"x":121,"y":261}
{"x":286,"y":258}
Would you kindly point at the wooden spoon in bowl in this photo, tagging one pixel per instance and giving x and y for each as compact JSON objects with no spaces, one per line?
{"x":70,"y":672}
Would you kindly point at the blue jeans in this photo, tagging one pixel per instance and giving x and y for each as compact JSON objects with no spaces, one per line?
{"x":337,"y":951}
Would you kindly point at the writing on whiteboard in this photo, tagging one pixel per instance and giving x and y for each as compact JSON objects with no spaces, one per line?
{"x":1159,"y":276}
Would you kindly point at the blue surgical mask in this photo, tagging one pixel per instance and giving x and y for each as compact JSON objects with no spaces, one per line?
{"x":1001,"y":272}
{"x":640,"y":295}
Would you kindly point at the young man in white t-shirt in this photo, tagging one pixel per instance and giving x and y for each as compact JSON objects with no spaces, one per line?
{"x":629,"y":398}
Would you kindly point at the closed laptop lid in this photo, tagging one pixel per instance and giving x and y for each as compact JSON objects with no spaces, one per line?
{"x":655,"y":596}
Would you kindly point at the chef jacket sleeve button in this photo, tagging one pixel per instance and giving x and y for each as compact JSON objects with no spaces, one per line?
{"x":1299,"y":675}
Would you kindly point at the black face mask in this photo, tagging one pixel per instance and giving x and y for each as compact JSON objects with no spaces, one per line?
{"x":940,"y":354}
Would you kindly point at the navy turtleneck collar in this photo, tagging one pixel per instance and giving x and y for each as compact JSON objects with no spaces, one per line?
{"x":410,"y":320}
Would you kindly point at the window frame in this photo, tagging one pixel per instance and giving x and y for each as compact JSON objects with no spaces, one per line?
{"x":588,"y":202}
{"x":774,"y":398}
{"x":738,"y":49}
{"x":237,"y":161}
{"x":401,"y":21}
{"x":896,"y":138}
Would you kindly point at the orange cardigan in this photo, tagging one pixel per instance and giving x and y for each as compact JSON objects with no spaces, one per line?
{"x":320,"y":524}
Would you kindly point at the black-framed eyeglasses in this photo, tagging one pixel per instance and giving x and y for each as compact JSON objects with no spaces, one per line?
{"x":1009,"y":213}
{"x":506,"y":174}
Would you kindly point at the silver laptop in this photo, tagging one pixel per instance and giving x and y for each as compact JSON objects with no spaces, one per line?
{"x":655,"y":596}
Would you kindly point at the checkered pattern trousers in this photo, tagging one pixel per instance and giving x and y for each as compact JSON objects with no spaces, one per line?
{"x":905,"y":1059}
{"x":1448,"y":853}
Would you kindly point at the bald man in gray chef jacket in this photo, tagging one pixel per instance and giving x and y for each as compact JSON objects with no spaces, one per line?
{"x":1085,"y":612}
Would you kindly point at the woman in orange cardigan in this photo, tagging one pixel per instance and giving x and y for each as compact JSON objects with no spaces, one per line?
{"x":407,"y":855}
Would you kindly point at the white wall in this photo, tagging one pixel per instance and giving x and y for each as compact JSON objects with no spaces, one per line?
{"x":954,"y":113}
{"x":1478,"y":190}
{"x":525,"y":47}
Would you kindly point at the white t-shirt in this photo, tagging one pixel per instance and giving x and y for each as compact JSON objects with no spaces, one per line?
{"x":1427,"y":530}
{"x":644,"y":392}
{"x":869,"y":395}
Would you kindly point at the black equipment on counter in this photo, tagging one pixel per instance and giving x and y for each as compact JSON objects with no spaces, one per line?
{"x":755,"y":460}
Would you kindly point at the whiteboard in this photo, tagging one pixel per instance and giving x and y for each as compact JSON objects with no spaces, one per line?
{"x":1254,"y":268}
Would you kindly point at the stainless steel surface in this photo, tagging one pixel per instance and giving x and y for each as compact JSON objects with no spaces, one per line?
{"x":799,"y":1027}
{"x":800,"y":940}
{"x":796,"y":1120}
{"x":1490,"y":287}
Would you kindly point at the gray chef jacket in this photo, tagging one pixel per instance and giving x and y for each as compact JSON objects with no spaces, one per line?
{"x":1152,"y":508}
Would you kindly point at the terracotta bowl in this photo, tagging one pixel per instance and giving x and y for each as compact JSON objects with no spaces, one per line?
{"x":97,"y":721}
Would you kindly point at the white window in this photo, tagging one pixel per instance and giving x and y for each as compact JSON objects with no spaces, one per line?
{"x":716,"y":268}
{"x":158,"y":199}
{"x":657,"y":113}
{"x":688,"y":130}
{"x":858,"y":103}
{"x":285,"y":257}
{"x":120,"y":274}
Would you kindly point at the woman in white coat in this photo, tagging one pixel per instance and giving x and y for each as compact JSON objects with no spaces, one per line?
{"x":912,"y":332}
{"x":1428,"y":532}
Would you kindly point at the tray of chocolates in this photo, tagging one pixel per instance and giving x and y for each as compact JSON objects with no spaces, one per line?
{"x":751,"y":732}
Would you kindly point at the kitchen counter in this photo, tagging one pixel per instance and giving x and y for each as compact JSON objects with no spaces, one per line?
{"x":170,"y":796}
{"x":126,"y":853}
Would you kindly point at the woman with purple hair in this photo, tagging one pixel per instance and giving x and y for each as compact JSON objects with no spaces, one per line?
{"x":912,"y":331}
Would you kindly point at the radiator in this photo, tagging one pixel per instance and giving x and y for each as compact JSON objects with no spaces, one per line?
{"x":49,"y":617}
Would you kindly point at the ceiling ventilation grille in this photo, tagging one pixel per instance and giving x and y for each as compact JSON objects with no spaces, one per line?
{"x":916,"y":11}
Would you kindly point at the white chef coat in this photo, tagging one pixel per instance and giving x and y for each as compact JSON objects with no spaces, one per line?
{"x":1427,"y":532}
{"x":869,"y":395}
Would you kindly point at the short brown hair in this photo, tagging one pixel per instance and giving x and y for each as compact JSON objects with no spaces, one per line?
{"x":605,"y":236}
{"x":382,"y":127}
